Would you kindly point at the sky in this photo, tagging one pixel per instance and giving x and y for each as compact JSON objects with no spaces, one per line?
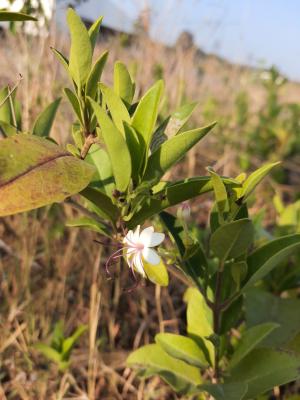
{"x":253,"y":32}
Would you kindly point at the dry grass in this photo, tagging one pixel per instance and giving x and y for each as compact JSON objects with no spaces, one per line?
{"x":49,"y":273}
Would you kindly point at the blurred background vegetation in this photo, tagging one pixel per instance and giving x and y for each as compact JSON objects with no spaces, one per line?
{"x":52,"y":281}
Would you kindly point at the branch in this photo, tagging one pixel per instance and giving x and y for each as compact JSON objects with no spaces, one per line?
{"x":89,"y":141}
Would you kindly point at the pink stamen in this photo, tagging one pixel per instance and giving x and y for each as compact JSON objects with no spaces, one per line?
{"x":107,"y":244}
{"x":114,"y":256}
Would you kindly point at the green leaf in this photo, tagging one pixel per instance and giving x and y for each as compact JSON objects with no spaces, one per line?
{"x":172,"y":125}
{"x":183,"y":348}
{"x":262,"y":307}
{"x":294,"y":345}
{"x":159,"y":136}
{"x":95,"y":76}
{"x":74,"y":103}
{"x":5,"y":109}
{"x":174,"y":194}
{"x":63,"y":60}
{"x":179,"y":118}
{"x":239,"y":272}
{"x":255,"y":178}
{"x":89,"y":223}
{"x":117,"y":108}
{"x":172,"y":151}
{"x":157,"y":274}
{"x":250,"y":340}
{"x":263,"y":369}
{"x":58,"y":336}
{"x":8,"y":106}
{"x":145,"y":115}
{"x":48,"y":352}
{"x":264,"y":259}
{"x":77,"y":135}
{"x":52,"y":355}
{"x":232,"y":239}
{"x":200,"y":321}
{"x":136,"y":150}
{"x":194,"y":265}
{"x":123,"y":84}
{"x":45,"y":119}
{"x":231,"y":317}
{"x":192,"y":187}
{"x":7,"y":129}
{"x":70,"y":342}
{"x":73,"y":150}
{"x":227,"y":391}
{"x":116,"y":147}
{"x":15,"y":16}
{"x":290,"y":215}
{"x":103,"y":202}
{"x":36,"y":172}
{"x":94,"y":31}
{"x":220,"y":192}
{"x":104,"y":179}
{"x":179,"y":375}
{"x":81,"y":50}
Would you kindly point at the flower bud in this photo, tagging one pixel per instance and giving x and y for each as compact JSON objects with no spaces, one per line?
{"x":184,"y":211}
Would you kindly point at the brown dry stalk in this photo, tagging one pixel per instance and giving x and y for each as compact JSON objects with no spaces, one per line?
{"x":95,"y":300}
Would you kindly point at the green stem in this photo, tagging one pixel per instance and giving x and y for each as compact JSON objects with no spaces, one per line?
{"x":12,"y":108}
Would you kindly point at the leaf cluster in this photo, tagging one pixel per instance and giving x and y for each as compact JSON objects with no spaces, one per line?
{"x":60,"y":349}
{"x":227,"y":272}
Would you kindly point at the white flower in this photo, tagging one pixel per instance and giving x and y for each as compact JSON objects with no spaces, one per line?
{"x":138,"y":247}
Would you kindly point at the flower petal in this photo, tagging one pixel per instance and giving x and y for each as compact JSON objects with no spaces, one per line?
{"x":151,"y":256}
{"x":149,"y":238}
{"x":138,"y":263}
{"x":136,"y":235}
{"x":128,"y":238}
